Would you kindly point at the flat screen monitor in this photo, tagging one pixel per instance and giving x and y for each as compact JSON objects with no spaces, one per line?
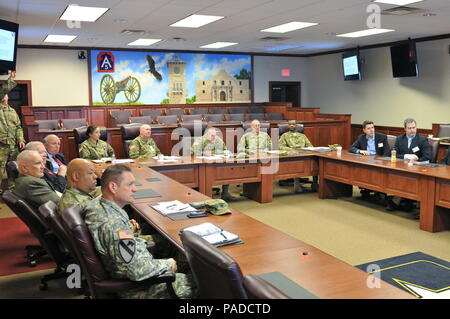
{"x":404,"y":60}
{"x":9,"y":32}
{"x":351,"y":66}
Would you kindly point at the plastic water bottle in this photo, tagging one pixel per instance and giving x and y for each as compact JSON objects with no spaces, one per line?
{"x":393,"y":156}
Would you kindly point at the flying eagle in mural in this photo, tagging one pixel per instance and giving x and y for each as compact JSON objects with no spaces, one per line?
{"x":152,"y":70}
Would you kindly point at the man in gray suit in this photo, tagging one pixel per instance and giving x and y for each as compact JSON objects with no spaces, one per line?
{"x":29,"y":184}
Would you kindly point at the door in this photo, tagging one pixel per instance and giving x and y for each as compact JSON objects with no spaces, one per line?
{"x":285,"y":92}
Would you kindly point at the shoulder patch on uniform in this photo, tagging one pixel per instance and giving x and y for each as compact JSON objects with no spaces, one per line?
{"x":127,"y":249}
{"x":125,"y":234}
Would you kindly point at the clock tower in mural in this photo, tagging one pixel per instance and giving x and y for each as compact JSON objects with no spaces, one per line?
{"x":177,"y":81}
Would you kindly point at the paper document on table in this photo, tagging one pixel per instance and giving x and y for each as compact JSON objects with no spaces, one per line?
{"x":214,"y":235}
{"x":167,"y":159}
{"x":173,"y":207}
{"x":211,"y":157}
{"x":122,"y":161}
{"x":317,"y":149}
{"x":273,"y":152}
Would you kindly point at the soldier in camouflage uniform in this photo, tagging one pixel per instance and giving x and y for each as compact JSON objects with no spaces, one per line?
{"x":94,"y":148}
{"x":11,"y":133}
{"x":143,"y":146}
{"x":211,"y":144}
{"x":124,"y":255}
{"x":255,"y":141}
{"x":292,"y":141}
{"x":81,"y":184}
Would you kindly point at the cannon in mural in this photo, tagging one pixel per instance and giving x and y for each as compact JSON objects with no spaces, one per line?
{"x":109,"y":89}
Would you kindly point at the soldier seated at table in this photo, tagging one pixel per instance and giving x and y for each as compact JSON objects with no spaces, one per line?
{"x":143,"y":146}
{"x":110,"y":228}
{"x":94,"y":148}
{"x":254,"y":142}
{"x":293,"y":141}
{"x":211,"y":144}
{"x":30,"y":184}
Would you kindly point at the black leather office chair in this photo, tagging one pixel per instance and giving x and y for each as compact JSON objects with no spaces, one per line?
{"x":234,"y":117}
{"x":256,"y":109}
{"x":141,"y":119}
{"x":80,"y":135}
{"x":216,"y":274}
{"x":218,"y":111}
{"x":444,"y":130}
{"x":238,"y":110}
{"x":120,"y":117}
{"x":283,"y":128}
{"x":49,"y":243}
{"x":69,"y":124}
{"x":391,"y":141}
{"x":258,"y":288}
{"x":12,"y":170}
{"x":99,"y":282}
{"x":48,"y":124}
{"x":201,"y":111}
{"x":434,"y":143}
{"x":256,"y":116}
{"x":167,"y":120}
{"x":265,"y":127}
{"x":129,"y":133}
{"x":214,"y":118}
{"x":152,"y":113}
{"x":177,"y":112}
{"x":191,"y":118}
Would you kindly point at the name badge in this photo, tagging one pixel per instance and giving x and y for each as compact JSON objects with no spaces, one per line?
{"x":415,"y":149}
{"x":380,"y":144}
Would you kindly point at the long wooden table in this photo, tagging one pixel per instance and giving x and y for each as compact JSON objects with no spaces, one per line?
{"x":265,"y":249}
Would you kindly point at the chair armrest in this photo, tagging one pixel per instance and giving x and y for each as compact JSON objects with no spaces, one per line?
{"x":117,"y":285}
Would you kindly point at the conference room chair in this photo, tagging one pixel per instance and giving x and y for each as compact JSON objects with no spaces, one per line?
{"x":218,"y":111}
{"x":444,"y":130}
{"x":48,"y":124}
{"x":265,"y":127}
{"x":234,"y":117}
{"x":141,"y":119}
{"x":80,"y":135}
{"x":283,"y":128}
{"x":391,"y":141}
{"x":238,"y":110}
{"x":202,"y":111}
{"x":49,"y":243}
{"x":120,"y":117}
{"x":258,"y":288}
{"x":69,"y":124}
{"x":191,"y":118}
{"x":177,"y":112}
{"x":12,"y":170}
{"x":152,"y":113}
{"x":214,"y":118}
{"x":275,"y":116}
{"x":99,"y":282}
{"x":434,"y":143}
{"x":256,"y":116}
{"x":129,"y":133}
{"x":167,"y":119}
{"x":256,"y":109}
{"x":216,"y":274}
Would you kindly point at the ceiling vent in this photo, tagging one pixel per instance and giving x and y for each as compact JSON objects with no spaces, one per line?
{"x":134,"y":32}
{"x":274,"y":39}
{"x":402,"y":11}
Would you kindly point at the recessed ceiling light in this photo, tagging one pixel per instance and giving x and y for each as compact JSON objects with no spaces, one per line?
{"x":364,"y":33}
{"x":196,"y":21}
{"x":398,"y":2}
{"x":54,"y":38}
{"x":218,"y":45}
{"x":84,"y":14}
{"x":291,"y":26}
{"x":144,"y":42}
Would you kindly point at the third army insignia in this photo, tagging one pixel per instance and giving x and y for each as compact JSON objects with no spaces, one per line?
{"x":127,"y":245}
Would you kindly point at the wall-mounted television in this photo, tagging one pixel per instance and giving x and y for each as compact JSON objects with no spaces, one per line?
{"x":404,"y":60}
{"x":9,"y":32}
{"x":351,"y":66}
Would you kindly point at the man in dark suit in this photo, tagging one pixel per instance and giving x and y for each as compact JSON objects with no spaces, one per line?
{"x":56,"y":162}
{"x":370,"y":143}
{"x":29,"y":184}
{"x":412,"y":146}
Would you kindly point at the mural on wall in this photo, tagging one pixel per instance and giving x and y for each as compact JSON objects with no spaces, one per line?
{"x":138,"y":77}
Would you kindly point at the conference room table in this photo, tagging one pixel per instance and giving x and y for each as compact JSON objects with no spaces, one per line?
{"x":265,"y":249}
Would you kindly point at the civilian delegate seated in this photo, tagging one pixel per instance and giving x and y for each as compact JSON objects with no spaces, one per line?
{"x":55,"y":160}
{"x":143,"y":146}
{"x":29,"y":184}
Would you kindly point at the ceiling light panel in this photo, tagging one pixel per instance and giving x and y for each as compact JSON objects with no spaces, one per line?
{"x":83,"y":14}
{"x":196,"y":21}
{"x":291,"y":26}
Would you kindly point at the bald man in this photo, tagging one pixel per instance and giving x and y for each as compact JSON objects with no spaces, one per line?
{"x":81,"y":184}
{"x":29,"y":184}
{"x":254,"y":141}
{"x":56,"y":162}
{"x":143,"y":146}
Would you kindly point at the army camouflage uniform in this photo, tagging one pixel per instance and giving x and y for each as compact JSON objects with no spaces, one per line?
{"x":143,"y":149}
{"x":126,"y":256}
{"x":11,"y":133}
{"x":251,"y":143}
{"x":74,"y":196}
{"x":203,"y":146}
{"x":94,"y":151}
{"x":293,"y":141}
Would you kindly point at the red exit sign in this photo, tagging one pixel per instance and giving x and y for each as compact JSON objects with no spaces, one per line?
{"x":286,"y":72}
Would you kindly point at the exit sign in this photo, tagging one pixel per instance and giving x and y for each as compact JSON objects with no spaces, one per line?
{"x":286,"y":72}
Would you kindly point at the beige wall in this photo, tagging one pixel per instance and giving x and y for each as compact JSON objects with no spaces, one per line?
{"x":57,"y":77}
{"x":379,"y":96}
